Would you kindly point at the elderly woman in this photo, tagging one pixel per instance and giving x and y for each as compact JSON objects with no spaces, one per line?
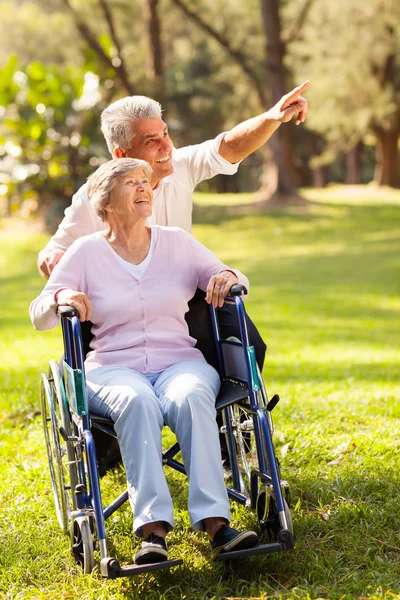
{"x":134,"y":282}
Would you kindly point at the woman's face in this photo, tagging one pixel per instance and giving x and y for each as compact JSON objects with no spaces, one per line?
{"x":132,"y":197}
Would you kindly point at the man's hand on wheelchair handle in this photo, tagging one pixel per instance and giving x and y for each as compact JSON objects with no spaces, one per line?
{"x":219,"y":286}
{"x":78,"y":300}
{"x":48,"y":260}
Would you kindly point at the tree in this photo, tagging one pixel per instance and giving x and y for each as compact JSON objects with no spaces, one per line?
{"x":47,"y":130}
{"x":355,"y":92}
{"x":279,"y":178}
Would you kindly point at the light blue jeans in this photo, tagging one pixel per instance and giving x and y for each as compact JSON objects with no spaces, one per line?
{"x":183,"y":397}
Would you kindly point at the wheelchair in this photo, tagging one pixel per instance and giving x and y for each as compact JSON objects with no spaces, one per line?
{"x":254,"y":478}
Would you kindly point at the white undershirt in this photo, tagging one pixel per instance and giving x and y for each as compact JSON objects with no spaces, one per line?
{"x":138,"y":270}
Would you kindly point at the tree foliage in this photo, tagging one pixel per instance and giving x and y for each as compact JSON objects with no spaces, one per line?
{"x":210,"y":64}
{"x":48,"y":131}
{"x":349,"y":49}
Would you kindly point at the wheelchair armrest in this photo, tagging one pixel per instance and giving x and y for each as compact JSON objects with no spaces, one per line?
{"x":67,"y":311}
{"x":238,"y":290}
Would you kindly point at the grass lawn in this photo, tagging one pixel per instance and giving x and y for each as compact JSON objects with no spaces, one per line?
{"x":326,"y":297}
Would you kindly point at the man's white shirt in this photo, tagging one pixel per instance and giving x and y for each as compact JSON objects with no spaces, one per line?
{"x":172,"y":202}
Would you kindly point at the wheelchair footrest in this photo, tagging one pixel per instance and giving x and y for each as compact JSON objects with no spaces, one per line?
{"x":111,"y":568}
{"x":262,"y":549}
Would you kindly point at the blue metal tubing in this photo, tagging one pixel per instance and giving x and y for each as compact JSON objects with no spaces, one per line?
{"x":264,"y":477}
{"x":217,"y":338}
{"x":78,"y":360}
{"x":259,"y":443}
{"x":107,"y":512}
{"x":65,"y":324}
{"x":94,"y":483}
{"x":271,"y":460}
{"x":174,"y":464}
{"x":241,"y":498}
{"x":242,"y":321}
{"x":171,"y":452}
{"x":77,"y":343}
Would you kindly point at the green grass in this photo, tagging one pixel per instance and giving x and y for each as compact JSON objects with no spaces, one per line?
{"x":326,"y":297}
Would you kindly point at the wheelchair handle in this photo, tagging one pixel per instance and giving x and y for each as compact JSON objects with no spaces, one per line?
{"x":67,"y":311}
{"x":238,"y":290}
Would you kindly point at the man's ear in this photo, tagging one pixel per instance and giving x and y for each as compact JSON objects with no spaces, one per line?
{"x":119,"y":153}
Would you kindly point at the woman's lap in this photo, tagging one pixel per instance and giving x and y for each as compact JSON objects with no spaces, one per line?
{"x":111,"y":388}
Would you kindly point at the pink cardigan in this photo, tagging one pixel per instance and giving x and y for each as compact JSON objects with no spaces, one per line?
{"x":137,"y":323}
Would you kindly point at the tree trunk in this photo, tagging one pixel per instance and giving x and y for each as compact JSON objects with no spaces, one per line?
{"x":353,"y":165}
{"x":157,"y":59}
{"x":279,"y":178}
{"x":387,"y":157}
{"x":318,"y":175}
{"x":387,"y":132}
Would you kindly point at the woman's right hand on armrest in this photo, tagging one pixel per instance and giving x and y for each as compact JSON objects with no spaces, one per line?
{"x":78,"y":300}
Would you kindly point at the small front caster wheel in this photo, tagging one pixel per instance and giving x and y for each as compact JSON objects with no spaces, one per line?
{"x":83,"y":544}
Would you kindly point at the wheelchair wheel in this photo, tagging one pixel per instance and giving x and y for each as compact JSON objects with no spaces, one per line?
{"x":82,"y":547}
{"x":267,"y":513}
{"x":242,"y":423}
{"x":52,"y":404}
{"x":69,"y":456}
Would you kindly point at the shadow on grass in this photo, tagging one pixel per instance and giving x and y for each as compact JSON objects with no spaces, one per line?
{"x":355,"y":214}
{"x":346,"y":543}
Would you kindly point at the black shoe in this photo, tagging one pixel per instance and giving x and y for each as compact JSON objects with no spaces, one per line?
{"x":153,"y":550}
{"x":228,"y":540}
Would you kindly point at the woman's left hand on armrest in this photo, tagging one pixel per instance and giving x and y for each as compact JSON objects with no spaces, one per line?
{"x":219,"y":286}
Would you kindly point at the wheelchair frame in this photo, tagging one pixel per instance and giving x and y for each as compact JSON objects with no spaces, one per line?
{"x":72,"y":454}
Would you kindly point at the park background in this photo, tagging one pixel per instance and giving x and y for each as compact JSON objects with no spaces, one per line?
{"x":313,"y":220}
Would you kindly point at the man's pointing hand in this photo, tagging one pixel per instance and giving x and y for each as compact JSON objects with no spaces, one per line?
{"x":290,"y":105}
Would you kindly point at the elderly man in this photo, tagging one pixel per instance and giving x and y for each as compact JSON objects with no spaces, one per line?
{"x":133,"y":127}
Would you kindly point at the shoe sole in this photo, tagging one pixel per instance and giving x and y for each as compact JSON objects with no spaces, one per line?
{"x":244,"y":541}
{"x":150,"y":556}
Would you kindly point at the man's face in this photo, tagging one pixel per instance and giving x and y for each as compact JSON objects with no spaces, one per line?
{"x":151,"y":143}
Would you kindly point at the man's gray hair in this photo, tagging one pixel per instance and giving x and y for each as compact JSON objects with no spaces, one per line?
{"x":117,"y":119}
{"x":101,"y":183}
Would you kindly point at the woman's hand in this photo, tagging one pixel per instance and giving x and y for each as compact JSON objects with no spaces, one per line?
{"x":219,"y":286}
{"x":78,"y":300}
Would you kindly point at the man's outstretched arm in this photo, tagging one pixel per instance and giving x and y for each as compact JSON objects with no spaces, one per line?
{"x":250,"y":135}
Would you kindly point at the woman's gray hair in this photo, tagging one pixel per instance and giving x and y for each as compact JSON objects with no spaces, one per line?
{"x":101,"y":183}
{"x":117,"y":119}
